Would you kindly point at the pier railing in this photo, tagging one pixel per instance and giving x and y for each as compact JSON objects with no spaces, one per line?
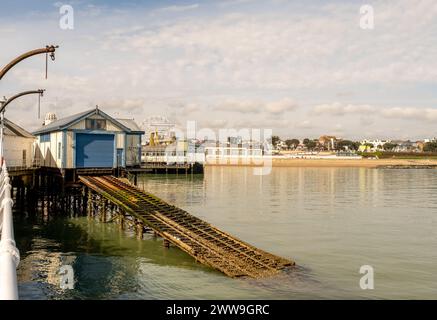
{"x":9,"y":254}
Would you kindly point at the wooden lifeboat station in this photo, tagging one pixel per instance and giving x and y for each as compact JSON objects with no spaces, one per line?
{"x":79,"y":166}
{"x":90,"y":141}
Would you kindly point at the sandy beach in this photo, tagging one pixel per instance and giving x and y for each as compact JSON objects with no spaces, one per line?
{"x":353,"y":163}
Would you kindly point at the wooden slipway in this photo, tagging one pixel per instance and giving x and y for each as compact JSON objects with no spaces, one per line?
{"x":204,"y":242}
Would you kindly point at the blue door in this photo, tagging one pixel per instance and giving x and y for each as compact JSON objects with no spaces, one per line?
{"x":94,"y":150}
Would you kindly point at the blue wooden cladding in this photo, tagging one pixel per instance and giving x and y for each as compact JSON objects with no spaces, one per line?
{"x":94,"y":150}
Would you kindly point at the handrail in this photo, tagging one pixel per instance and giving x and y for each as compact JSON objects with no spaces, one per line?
{"x":9,"y":254}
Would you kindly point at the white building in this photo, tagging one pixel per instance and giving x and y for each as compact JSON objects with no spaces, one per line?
{"x":377,"y":144}
{"x":18,"y":145}
{"x":232,"y":154}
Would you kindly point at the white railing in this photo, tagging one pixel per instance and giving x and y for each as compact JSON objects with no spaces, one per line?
{"x":9,"y":254}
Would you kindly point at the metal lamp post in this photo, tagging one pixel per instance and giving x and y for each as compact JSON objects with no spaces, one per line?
{"x":47,"y":50}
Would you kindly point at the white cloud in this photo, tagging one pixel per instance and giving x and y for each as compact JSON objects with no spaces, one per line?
{"x":275,"y":107}
{"x":404,"y":113}
{"x":122,"y":105}
{"x":306,"y":124}
{"x":339,"y":109}
{"x":281,"y":106}
{"x":177,"y":8}
{"x":410,"y":113}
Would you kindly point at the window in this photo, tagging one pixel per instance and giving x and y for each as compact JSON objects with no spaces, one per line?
{"x":45,"y":137}
{"x":59,"y":150}
{"x":95,"y":124}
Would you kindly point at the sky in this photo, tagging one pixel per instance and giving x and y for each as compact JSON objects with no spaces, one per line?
{"x":300,"y":68}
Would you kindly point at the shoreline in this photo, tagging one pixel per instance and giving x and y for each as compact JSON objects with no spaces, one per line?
{"x":340,"y":163}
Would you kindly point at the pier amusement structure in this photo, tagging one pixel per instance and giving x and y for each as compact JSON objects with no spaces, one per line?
{"x":80,"y":166}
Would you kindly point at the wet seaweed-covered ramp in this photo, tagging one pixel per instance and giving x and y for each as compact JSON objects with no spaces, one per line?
{"x":202,"y":241}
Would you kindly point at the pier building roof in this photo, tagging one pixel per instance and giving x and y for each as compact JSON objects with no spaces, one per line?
{"x":12,"y":129}
{"x":127,"y":125}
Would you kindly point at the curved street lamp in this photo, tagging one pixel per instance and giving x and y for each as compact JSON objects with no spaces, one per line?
{"x":8,"y":101}
{"x":48,"y":49}
{"x":3,"y":105}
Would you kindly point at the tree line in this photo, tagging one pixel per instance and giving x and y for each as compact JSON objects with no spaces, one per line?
{"x":313,"y":144}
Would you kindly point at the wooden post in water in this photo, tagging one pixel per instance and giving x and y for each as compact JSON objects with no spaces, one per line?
{"x":103,"y":210}
{"x":120,"y":219}
{"x":140,"y":230}
{"x":90,"y":204}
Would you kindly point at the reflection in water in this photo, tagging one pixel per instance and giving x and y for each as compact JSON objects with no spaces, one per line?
{"x":329,"y":220}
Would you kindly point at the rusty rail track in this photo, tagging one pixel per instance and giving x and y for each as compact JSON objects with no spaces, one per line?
{"x":204,"y":242}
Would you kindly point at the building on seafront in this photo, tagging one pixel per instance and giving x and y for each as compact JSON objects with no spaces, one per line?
{"x":376,"y":143}
{"x":90,"y":139}
{"x":18,"y":145}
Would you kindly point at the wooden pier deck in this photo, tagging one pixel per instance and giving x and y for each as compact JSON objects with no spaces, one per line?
{"x":201,"y":240}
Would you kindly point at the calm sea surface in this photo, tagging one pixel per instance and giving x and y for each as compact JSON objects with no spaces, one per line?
{"x":331,"y":221}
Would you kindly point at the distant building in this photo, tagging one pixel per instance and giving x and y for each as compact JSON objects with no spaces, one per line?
{"x":376,"y":143}
{"x":160,"y":128}
{"x":406,"y":146}
{"x":18,"y":145}
{"x":244,"y":152}
{"x":90,"y":139}
{"x":179,"y":152}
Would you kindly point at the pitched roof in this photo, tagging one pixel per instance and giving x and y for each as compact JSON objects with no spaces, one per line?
{"x":15,"y":130}
{"x":131,"y":124}
{"x":70,"y":120}
{"x":61,"y":123}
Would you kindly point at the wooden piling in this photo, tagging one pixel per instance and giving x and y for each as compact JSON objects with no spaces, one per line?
{"x":139,"y":230}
